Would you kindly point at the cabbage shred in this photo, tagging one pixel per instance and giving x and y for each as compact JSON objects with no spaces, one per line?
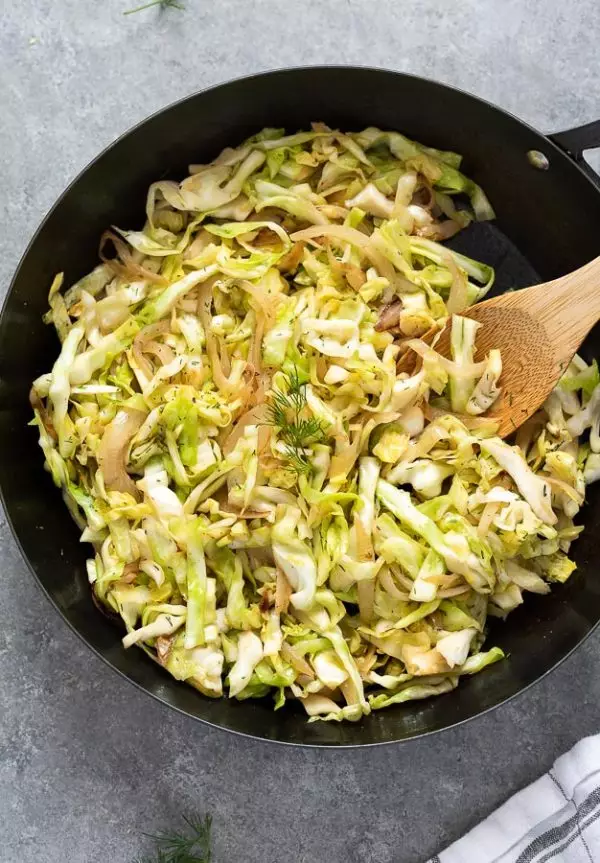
{"x":278,"y":499}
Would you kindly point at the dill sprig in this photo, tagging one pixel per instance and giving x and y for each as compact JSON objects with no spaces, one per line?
{"x":295,"y":431}
{"x":194,"y":846}
{"x":163,"y":4}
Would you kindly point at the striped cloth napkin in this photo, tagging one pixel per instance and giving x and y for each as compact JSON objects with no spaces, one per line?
{"x":554,"y":820}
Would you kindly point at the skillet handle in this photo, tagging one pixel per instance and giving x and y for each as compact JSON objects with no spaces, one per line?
{"x":576,"y":141}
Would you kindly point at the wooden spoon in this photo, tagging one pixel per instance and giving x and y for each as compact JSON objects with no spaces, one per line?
{"x":537,"y":330}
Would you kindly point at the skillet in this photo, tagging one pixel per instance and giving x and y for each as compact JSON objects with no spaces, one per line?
{"x":547,"y":224}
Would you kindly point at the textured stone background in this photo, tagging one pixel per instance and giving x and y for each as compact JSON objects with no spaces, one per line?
{"x":87,"y":763}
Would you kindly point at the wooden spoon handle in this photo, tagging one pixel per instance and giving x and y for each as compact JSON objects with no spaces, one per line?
{"x":569,"y":307}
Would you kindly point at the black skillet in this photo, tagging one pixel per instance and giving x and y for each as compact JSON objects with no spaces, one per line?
{"x":548,"y":224}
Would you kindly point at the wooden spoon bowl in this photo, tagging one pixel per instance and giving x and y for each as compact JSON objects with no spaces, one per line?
{"x":537,"y":330}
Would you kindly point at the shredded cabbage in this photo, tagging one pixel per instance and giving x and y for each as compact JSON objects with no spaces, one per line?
{"x":274,"y":504}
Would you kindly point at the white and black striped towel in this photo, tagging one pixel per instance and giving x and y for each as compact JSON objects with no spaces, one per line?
{"x":554,"y":820}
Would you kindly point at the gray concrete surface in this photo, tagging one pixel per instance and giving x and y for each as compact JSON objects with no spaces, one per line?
{"x":87,"y":763}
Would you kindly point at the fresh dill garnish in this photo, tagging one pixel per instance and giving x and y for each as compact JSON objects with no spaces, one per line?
{"x":296,"y":431}
{"x":163,"y":4}
{"x":194,"y":846}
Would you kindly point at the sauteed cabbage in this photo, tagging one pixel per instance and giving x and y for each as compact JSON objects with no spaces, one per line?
{"x":287,"y":490}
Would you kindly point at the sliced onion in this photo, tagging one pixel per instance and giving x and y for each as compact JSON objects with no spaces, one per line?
{"x":296,"y":660}
{"x":364,"y":543}
{"x":262,"y":383}
{"x":349,"y":691}
{"x":389,"y":316}
{"x":342,"y":464}
{"x":264,"y":303}
{"x":333,"y":211}
{"x":248,"y":514}
{"x":129,"y":267}
{"x":256,"y":416}
{"x":163,"y":352}
{"x":163,"y":648}
{"x":204,"y":313}
{"x":487,"y":517}
{"x":446,"y":581}
{"x":354,"y":276}
{"x":224,"y":356}
{"x":146,"y":335}
{"x":453,"y":591}
{"x":130,"y":571}
{"x":112,"y":451}
{"x":254,"y":349}
{"x":441,"y":231}
{"x":567,"y":489}
{"x":291,"y":260}
{"x":198,"y":244}
{"x":365,"y":663}
{"x":386,"y":580}
{"x":283,"y":592}
{"x":366,"y":600}
{"x":529,"y":430}
{"x":338,"y":232}
{"x":38,"y":405}
{"x":432,"y":435}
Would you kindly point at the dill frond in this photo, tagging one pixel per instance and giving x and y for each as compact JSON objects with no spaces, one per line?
{"x":194,"y":846}
{"x":295,"y":431}
{"x":163,"y":4}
